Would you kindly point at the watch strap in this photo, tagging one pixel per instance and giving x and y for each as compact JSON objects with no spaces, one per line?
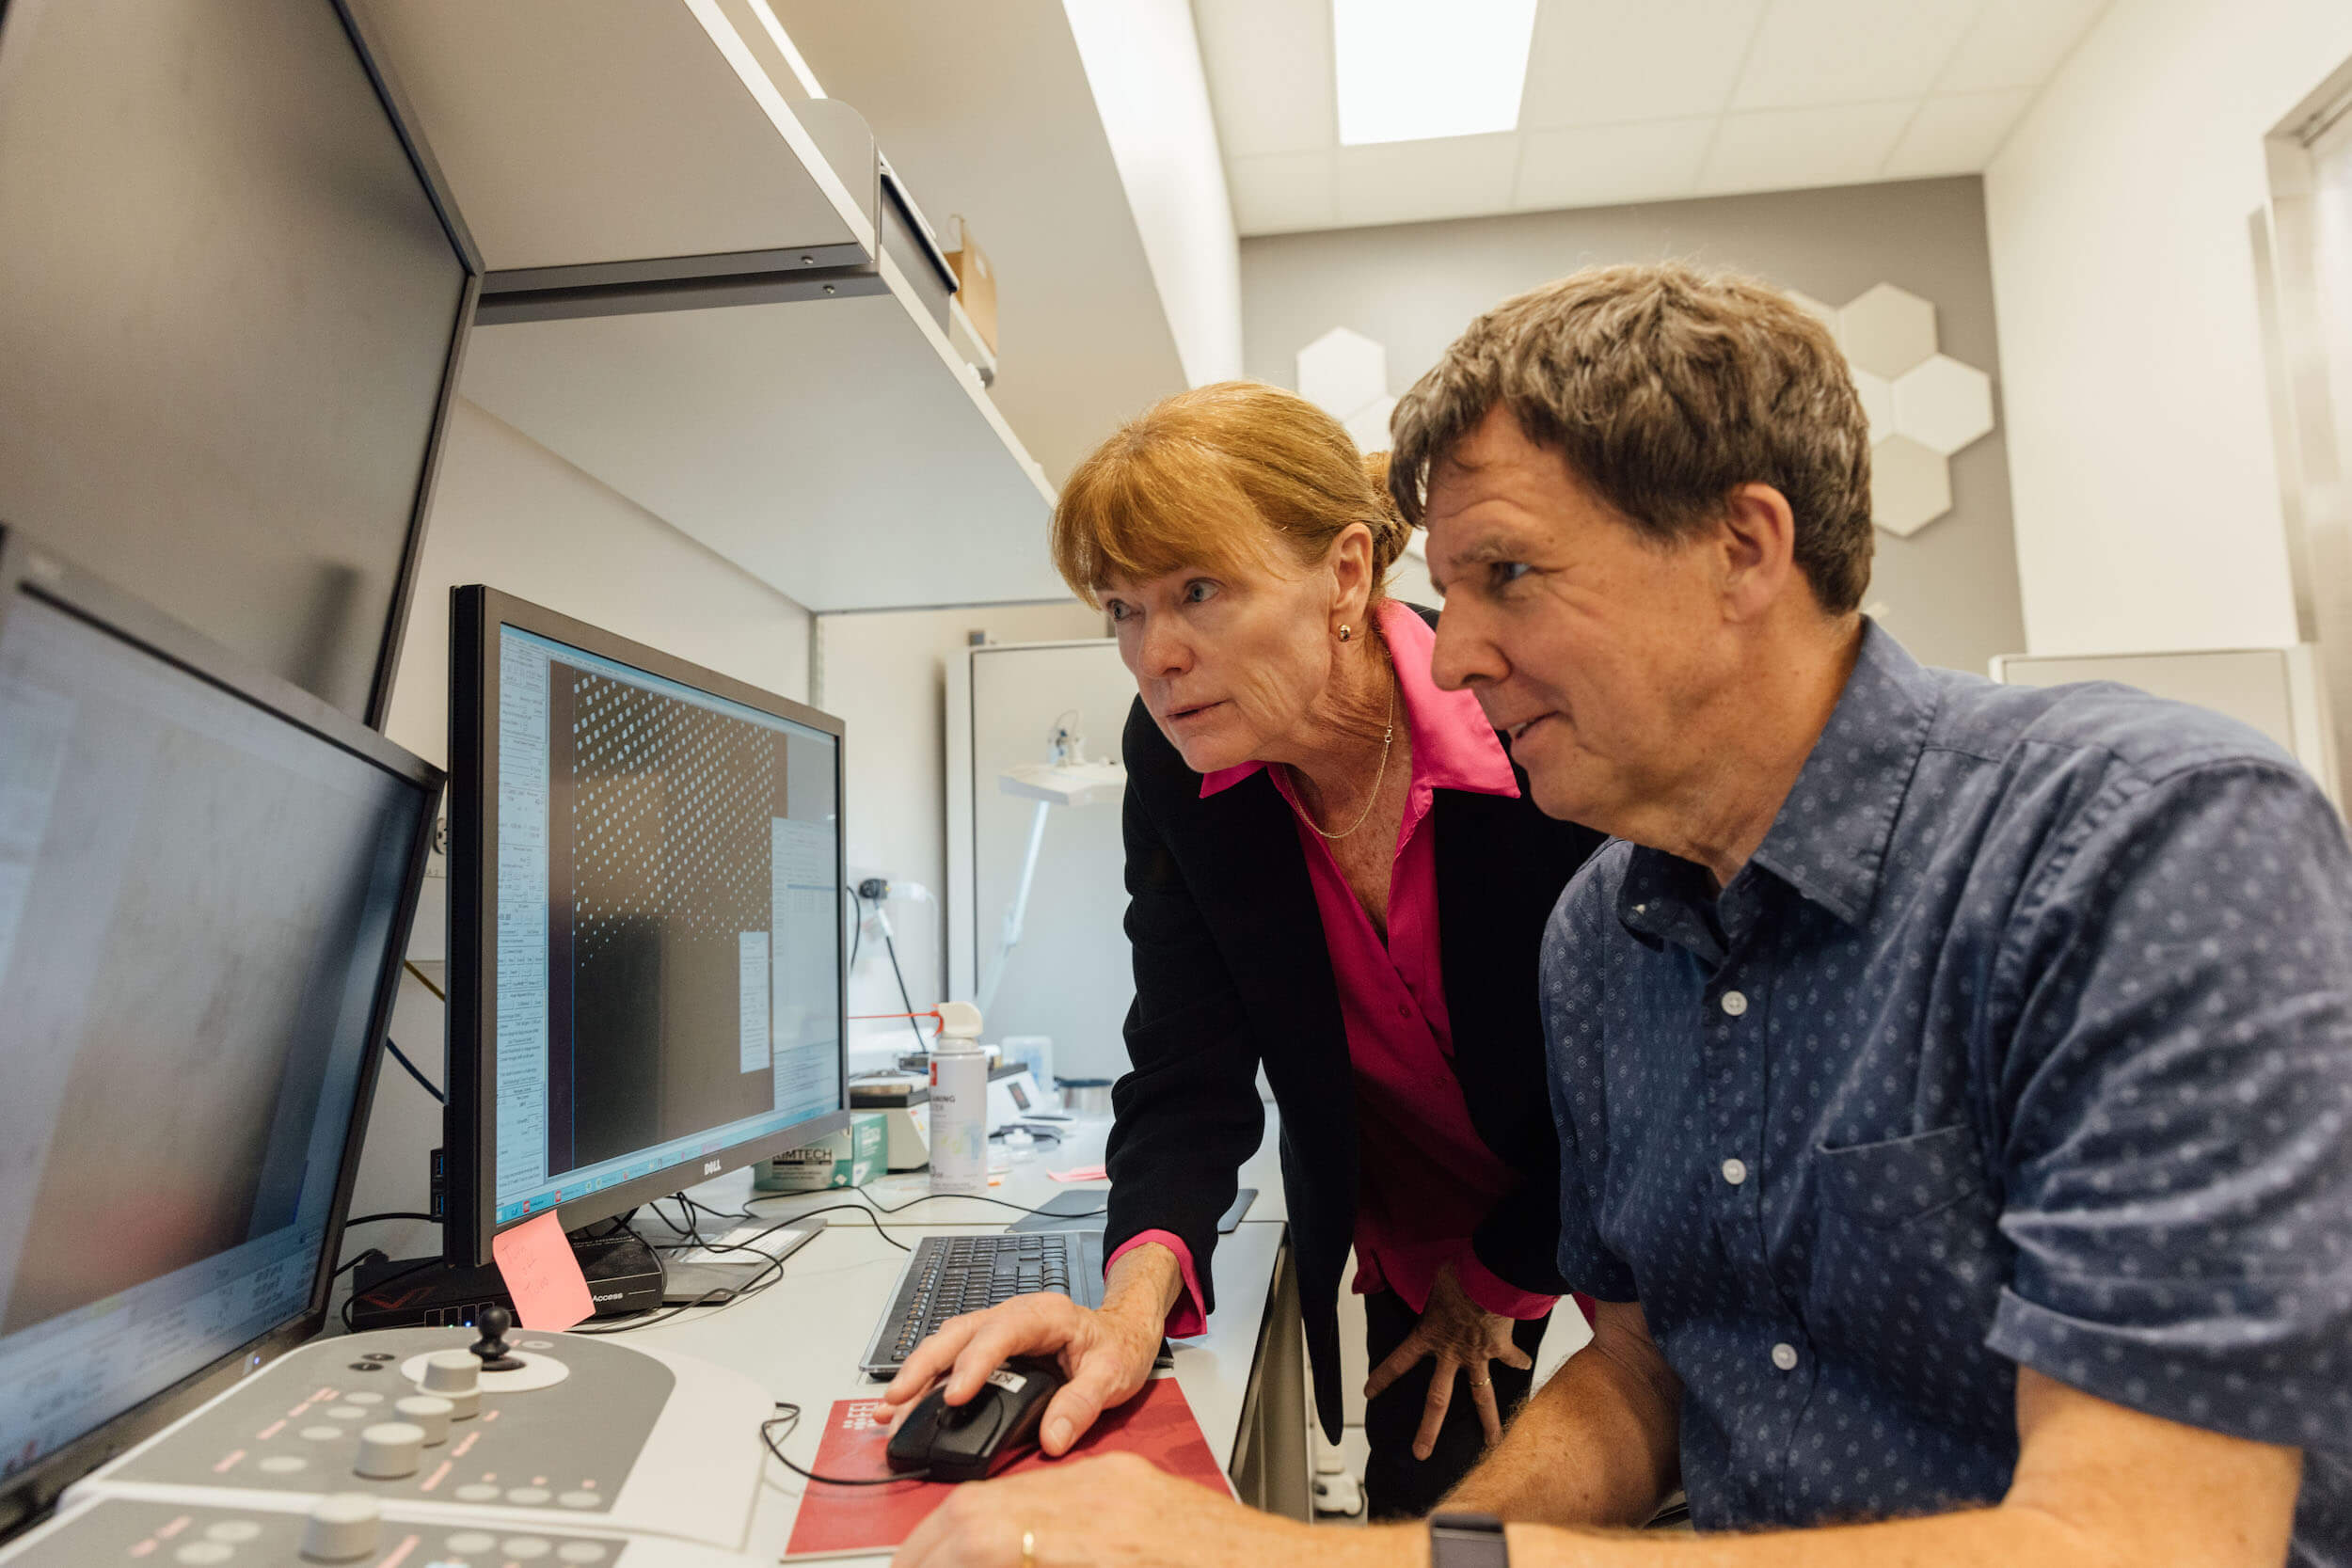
{"x":1468,"y":1541}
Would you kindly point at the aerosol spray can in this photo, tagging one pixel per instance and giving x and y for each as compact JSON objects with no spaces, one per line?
{"x":958,"y":1121}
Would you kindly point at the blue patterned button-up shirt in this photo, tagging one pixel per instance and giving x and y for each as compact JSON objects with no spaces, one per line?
{"x":2025,"y":1038}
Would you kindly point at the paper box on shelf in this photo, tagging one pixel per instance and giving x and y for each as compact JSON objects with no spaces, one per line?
{"x":976,"y":284}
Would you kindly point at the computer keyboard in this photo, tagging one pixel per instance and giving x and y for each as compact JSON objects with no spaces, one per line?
{"x":953,"y":1275}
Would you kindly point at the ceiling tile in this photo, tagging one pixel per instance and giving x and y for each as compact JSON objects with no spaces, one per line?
{"x":1782,"y":150}
{"x":1595,"y":166}
{"x":1819,"y":52}
{"x":2017,"y":43}
{"x":1957,"y":134}
{"x":1280,"y":191}
{"x":1408,"y":182}
{"x":1269,"y":69}
{"x":1599,"y":61}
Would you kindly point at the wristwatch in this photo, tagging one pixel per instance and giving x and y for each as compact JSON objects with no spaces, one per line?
{"x":1468,"y":1541}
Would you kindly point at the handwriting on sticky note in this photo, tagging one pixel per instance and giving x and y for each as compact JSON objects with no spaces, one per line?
{"x":1079,"y":1173}
{"x":536,"y":1260}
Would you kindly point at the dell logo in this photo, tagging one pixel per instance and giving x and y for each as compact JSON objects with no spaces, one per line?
{"x":711,"y":1168}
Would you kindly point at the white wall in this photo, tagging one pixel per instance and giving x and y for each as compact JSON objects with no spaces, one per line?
{"x":511,"y":514}
{"x":1142,"y":58}
{"x":884,"y":675}
{"x":2145,"y":490}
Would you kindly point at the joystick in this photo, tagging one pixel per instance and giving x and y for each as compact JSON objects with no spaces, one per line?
{"x":491,"y":1349}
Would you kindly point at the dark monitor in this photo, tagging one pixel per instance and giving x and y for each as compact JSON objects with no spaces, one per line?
{"x":646,"y":974}
{"x":231,"y":309}
{"x":206,"y":879}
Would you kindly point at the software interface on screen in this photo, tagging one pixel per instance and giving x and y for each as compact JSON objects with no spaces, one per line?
{"x":668,"y":924}
{"x":196,"y":898}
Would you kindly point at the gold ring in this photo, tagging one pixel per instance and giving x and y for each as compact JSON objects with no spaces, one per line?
{"x":1481,"y":1383}
{"x":1028,"y":1549}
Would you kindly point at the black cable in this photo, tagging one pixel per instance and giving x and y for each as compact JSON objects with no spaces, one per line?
{"x":790,"y":1422}
{"x":931,"y":1198}
{"x":857,"y":926}
{"x":391,"y":1215}
{"x":727,"y":1295}
{"x":343,"y":1269}
{"x":423,"y":1082}
{"x":891,"y":947}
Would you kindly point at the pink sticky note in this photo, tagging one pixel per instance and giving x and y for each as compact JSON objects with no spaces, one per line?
{"x":537,"y":1261}
{"x":1079,"y":1173}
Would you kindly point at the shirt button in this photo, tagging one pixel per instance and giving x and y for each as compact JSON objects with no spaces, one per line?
{"x":1735,"y":1171}
{"x":1403,"y":1010}
{"x":1735,"y":1003}
{"x":1784,"y":1357}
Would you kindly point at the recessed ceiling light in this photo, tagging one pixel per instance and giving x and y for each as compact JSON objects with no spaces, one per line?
{"x":1409,"y":70}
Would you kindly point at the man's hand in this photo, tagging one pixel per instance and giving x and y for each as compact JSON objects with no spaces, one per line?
{"x":1119,"y":1511}
{"x":1461,"y":1336}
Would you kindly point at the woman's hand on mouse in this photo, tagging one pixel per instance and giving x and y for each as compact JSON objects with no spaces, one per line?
{"x":1105,"y":1353}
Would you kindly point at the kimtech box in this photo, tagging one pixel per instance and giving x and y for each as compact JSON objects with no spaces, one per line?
{"x":850,"y":1158}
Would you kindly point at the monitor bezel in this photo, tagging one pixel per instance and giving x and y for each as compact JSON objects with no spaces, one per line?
{"x":29,"y":567}
{"x":470,"y":1223}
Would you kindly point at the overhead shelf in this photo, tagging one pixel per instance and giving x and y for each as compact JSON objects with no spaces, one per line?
{"x":837,"y":451}
{"x":701,"y":293}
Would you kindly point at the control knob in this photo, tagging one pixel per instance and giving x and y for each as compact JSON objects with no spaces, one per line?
{"x":456,"y":1376}
{"x":429,"y":1414}
{"x":390,"y":1451}
{"x":342,"y":1528}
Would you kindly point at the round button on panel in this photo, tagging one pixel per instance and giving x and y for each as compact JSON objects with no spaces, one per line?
{"x":342,"y":1528}
{"x":579,"y":1500}
{"x":528,"y":1496}
{"x":583,"y":1551}
{"x":200,"y":1552}
{"x":284,"y":1464}
{"x":322,"y":1434}
{"x":430,"y":1413}
{"x":378,"y":1356}
{"x":363,"y":1398}
{"x":465,"y":1542}
{"x":1735,"y":1171}
{"x":1735,"y":1003}
{"x":235,"y":1531}
{"x":344,"y":1413}
{"x":522,"y":1548}
{"x":390,"y":1451}
{"x":1784,"y":1357}
{"x":477,"y":1491}
{"x":365,"y":1367}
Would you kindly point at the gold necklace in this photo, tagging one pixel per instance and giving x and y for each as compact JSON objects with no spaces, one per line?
{"x":1385,"y":736}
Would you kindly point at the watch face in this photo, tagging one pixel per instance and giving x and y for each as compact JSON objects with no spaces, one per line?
{"x":1467,"y":1541}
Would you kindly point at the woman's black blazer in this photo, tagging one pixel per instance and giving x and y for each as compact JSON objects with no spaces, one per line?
{"x":1231,"y":970}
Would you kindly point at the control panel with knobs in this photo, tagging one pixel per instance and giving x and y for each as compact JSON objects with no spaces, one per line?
{"x":421,"y":1445}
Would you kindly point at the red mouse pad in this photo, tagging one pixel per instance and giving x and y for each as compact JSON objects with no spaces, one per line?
{"x":1157,"y":1424}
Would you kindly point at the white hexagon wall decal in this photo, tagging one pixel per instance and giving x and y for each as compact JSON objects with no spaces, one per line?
{"x":1887,"y":331}
{"x":1343,"y":372}
{"x":1878,"y":403}
{"x":1909,"y":486}
{"x":1943,"y":405}
{"x":1369,"y":427}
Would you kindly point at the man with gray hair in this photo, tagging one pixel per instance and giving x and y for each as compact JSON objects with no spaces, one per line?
{"x":1954,"y":1081}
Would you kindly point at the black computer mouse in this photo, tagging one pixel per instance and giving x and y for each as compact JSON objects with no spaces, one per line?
{"x":965,"y":1442}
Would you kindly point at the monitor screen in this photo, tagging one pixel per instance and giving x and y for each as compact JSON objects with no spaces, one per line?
{"x":201,"y":902}
{"x":227,"y":308}
{"x":667,"y":928}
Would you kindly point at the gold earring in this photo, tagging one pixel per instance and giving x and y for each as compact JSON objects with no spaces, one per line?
{"x":1346,"y":631}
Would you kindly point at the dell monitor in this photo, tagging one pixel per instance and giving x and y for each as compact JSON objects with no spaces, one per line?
{"x":646,"y":972}
{"x":232,"y":296}
{"x":206,"y":879}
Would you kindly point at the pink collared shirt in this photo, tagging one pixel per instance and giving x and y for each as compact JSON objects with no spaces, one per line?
{"x":1426,"y":1177}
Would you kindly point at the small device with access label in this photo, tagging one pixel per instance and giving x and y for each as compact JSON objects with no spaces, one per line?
{"x":965,"y":1442}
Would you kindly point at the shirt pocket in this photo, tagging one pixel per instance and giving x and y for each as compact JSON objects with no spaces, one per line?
{"x":1907,"y":1269}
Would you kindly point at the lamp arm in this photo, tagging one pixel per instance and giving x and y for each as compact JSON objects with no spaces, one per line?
{"x":1017,"y":913}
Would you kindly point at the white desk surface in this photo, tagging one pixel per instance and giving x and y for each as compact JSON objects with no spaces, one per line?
{"x":1025,"y":1183}
{"x":801,"y":1338}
